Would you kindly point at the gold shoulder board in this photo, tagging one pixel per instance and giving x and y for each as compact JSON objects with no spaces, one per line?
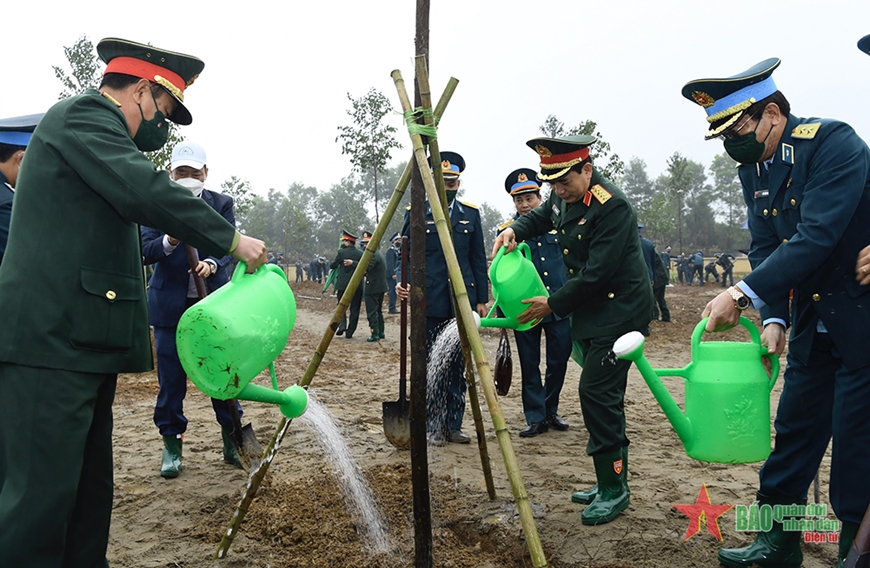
{"x":806,"y":131}
{"x":472,"y":205}
{"x":601,"y":194}
{"x":505,"y":225}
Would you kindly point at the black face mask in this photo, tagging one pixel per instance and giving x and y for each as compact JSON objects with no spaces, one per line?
{"x":152,"y":134}
{"x":745,"y":149}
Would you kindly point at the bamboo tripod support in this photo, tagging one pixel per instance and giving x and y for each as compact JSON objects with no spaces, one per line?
{"x":257,"y":476}
{"x":461,"y":298}
{"x":435,"y":156}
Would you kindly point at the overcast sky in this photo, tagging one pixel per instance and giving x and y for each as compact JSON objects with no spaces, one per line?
{"x":273,"y":92}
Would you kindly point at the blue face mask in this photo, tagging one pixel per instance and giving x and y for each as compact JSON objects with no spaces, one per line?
{"x":152,"y":134}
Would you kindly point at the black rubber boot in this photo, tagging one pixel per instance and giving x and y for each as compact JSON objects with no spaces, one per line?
{"x":230,"y":456}
{"x":587,"y":496}
{"x":381,"y":331}
{"x":776,"y":548}
{"x":848,"y":531}
{"x":171,"y":463}
{"x":612,"y":497}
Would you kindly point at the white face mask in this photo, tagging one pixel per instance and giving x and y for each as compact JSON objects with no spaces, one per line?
{"x":194,"y":185}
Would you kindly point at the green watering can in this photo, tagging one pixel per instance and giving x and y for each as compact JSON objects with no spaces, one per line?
{"x":514,"y":279}
{"x":229,"y":337}
{"x":727,"y":418}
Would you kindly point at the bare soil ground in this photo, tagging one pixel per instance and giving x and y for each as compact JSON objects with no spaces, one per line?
{"x":300,"y":517}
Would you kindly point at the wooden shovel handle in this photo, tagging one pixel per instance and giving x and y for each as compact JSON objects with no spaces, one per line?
{"x":403,"y":328}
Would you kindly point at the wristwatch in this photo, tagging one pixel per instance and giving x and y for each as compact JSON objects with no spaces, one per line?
{"x":741,"y":300}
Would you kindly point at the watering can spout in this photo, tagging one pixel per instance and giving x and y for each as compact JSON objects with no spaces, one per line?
{"x":292,"y":402}
{"x":630,"y":348}
{"x":493,"y":322}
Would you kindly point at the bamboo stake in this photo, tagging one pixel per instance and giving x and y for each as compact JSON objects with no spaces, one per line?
{"x":422,"y":76}
{"x":255,"y":479}
{"x":521,"y":497}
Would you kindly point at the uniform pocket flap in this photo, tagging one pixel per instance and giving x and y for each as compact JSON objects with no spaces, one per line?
{"x":111,"y":285}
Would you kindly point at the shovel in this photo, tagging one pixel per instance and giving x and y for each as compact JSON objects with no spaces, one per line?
{"x":397,"y":425}
{"x":243,"y":438}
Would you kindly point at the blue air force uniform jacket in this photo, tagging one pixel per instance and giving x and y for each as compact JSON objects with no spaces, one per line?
{"x":469,"y":247}
{"x":547,"y":258}
{"x":809,"y":216}
{"x":167,"y":290}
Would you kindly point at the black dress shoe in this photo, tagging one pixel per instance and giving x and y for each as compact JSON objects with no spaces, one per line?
{"x":534,"y":429}
{"x":557,"y":422}
{"x":458,"y":437}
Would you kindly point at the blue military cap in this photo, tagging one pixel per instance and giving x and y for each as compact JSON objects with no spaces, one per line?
{"x":16,"y":131}
{"x":864,"y":44}
{"x":727,"y":98}
{"x":394,"y":237}
{"x":452,"y":164}
{"x":521,"y":181}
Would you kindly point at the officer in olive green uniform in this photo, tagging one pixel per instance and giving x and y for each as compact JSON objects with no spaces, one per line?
{"x":345,"y":262}
{"x":607,"y":294}
{"x":82,"y":192}
{"x":375,"y":288}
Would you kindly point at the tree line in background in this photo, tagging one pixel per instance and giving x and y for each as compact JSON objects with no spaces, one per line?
{"x":687,"y":207}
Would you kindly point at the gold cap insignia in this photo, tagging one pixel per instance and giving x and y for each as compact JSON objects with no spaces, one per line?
{"x":522,"y":177}
{"x":703,"y":99}
{"x":445,"y":166}
{"x":542,"y":151}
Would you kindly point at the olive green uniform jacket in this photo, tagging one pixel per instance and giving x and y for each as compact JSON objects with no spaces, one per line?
{"x":376,"y":274}
{"x":608,"y":291}
{"x":345,"y":272}
{"x":80,"y":196}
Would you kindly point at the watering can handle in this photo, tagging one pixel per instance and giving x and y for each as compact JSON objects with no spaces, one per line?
{"x":756,"y":338}
{"x":240,"y":270}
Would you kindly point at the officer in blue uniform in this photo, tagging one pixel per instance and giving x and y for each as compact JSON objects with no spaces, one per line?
{"x":541,"y":401}
{"x":15,"y":133}
{"x":470,"y":253}
{"x":393,"y":259}
{"x":806,"y":183}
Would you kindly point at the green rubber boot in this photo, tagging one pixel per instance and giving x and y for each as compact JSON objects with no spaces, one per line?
{"x":230,"y":456}
{"x":374,"y":336}
{"x":587,"y":496}
{"x":612,"y":497}
{"x":381,"y":331}
{"x":171,"y":464}
{"x":776,"y":548}
{"x":848,"y":531}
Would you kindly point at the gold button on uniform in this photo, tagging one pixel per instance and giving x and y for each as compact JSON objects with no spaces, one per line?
{"x":546,"y":273}
{"x":775,"y":212}
{"x":563,"y":231}
{"x":571,"y":270}
{"x":611,"y":295}
{"x":765,"y":212}
{"x":816,"y":297}
{"x":543,"y":259}
{"x":579,"y":237}
{"x":793,"y":202}
{"x":539,"y":244}
{"x":548,"y":287}
{"x":784,"y":241}
{"x":565,"y":251}
{"x":111,"y":294}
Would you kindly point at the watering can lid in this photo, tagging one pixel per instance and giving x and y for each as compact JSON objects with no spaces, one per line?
{"x":628,"y":343}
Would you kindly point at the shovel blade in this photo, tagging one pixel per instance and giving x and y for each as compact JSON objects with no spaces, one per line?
{"x":397,"y":425}
{"x":247,"y":447}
